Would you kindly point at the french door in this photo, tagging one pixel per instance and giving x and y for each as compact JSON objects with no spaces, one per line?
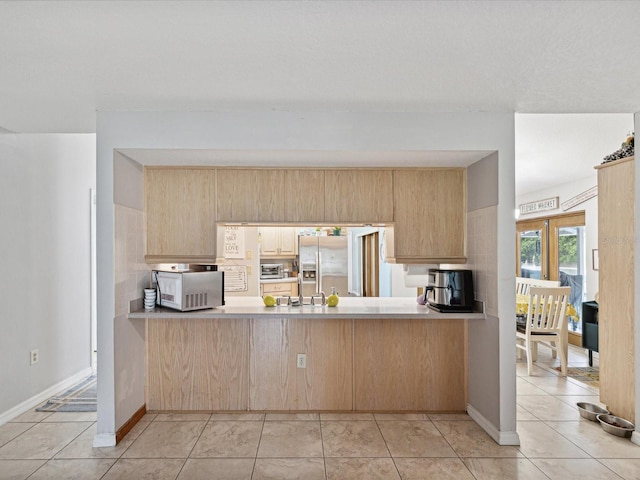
{"x":553,"y":248}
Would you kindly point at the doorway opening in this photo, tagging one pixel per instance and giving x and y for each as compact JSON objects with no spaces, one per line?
{"x":554,"y":248}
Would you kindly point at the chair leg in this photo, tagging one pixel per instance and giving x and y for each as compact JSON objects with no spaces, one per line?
{"x":529,"y":356}
{"x":554,"y":350}
{"x":564,"y":357}
{"x":534,"y":351}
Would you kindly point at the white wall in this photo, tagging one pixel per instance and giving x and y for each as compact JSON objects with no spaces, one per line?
{"x":590,"y":207}
{"x":45,"y":184}
{"x":344,"y":131}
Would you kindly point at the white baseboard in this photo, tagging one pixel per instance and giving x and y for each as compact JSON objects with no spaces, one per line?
{"x":501,"y":438}
{"x":44,"y":396}
{"x":104,"y":440}
{"x":635,"y":438}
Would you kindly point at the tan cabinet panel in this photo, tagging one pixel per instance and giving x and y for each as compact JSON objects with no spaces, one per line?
{"x":250,"y":195}
{"x":403,"y":364}
{"x":304,"y":191}
{"x":180,"y":211}
{"x":362,"y":196}
{"x":279,"y":289}
{"x":275,"y":381}
{"x":269,"y":241}
{"x":429,"y":216}
{"x":278,"y":241}
{"x":288,"y":241}
{"x":197,"y":364}
{"x":616,"y":243}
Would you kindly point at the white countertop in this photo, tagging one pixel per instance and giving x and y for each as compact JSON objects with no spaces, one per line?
{"x":349,"y":307}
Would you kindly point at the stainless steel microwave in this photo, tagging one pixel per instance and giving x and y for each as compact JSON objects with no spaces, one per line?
{"x":187,"y":291}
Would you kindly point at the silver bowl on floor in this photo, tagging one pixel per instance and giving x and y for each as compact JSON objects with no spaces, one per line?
{"x":591,"y":411}
{"x":616,"y":425}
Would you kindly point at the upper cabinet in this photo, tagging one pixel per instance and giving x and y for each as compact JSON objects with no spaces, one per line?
{"x":424,"y":208}
{"x":250,"y":195}
{"x":304,"y":191}
{"x":278,"y":241}
{"x":180,"y":209}
{"x":429,"y":216}
{"x":358,"y":196}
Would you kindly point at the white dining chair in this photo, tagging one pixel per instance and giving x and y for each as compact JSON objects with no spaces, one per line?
{"x":545,"y":324}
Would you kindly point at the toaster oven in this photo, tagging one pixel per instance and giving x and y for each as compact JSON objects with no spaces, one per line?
{"x":271,"y":270}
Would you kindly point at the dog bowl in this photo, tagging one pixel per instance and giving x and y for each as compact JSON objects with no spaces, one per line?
{"x":591,"y":411}
{"x":616,"y":425}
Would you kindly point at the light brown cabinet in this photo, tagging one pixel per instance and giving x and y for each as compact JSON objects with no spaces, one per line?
{"x":304,"y":191}
{"x":616,"y":286}
{"x":180,"y":205}
{"x":250,"y":195}
{"x":278,"y":241}
{"x":358,"y":196}
{"x":282,"y":289}
{"x":403,"y":364}
{"x":275,"y":381}
{"x":364,"y":364}
{"x":197,"y":364}
{"x":429,"y":213}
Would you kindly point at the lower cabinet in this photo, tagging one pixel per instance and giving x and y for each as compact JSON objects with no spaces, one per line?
{"x":197,"y":364}
{"x":276,"y":383}
{"x":402,"y":364}
{"x":282,"y":289}
{"x":251,"y":364}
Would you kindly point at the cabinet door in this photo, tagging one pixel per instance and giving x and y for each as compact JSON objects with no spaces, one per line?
{"x":281,"y":289}
{"x":362,"y":196}
{"x":250,"y":195}
{"x":304,"y":191}
{"x":429,"y":216}
{"x":269,"y":241}
{"x":288,"y":241}
{"x":616,"y":236}
{"x":180,"y":209}
{"x":275,"y":381}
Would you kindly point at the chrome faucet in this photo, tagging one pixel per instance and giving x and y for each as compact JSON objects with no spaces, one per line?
{"x":300,"y":298}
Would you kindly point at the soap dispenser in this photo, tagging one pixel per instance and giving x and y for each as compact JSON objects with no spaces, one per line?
{"x":333,"y":299}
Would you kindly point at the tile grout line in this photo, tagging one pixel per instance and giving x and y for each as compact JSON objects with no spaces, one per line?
{"x":255,"y":458}
{"x":393,"y":460}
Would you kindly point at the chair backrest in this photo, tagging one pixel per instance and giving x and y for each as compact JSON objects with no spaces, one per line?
{"x":547,"y":309}
{"x":524,"y":284}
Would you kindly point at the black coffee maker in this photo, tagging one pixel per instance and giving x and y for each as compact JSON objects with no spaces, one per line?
{"x":450,"y":290}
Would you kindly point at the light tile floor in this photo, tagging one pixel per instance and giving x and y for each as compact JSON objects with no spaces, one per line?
{"x":555,"y":443}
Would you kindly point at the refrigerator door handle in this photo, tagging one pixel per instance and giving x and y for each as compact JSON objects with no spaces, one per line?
{"x":318,"y":272}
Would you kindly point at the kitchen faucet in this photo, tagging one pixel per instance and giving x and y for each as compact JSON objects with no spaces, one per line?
{"x":300,"y":298}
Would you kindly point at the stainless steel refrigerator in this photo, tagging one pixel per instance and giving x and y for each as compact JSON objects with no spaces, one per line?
{"x":324,"y":262}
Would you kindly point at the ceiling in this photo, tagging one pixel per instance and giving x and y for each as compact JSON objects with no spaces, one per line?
{"x":60,"y":62}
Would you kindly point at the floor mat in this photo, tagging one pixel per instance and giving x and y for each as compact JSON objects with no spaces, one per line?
{"x":82,"y":397}
{"x":587,"y":375}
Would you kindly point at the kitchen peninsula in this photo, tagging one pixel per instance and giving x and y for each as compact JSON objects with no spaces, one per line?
{"x":367,"y":354}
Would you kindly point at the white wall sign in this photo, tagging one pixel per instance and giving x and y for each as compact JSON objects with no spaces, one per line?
{"x":233,"y":242}
{"x":539,"y":205}
{"x":578,"y":199}
{"x":235,"y":278}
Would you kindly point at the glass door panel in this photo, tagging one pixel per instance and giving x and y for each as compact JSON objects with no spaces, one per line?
{"x":530,"y":254}
{"x":571,"y":268}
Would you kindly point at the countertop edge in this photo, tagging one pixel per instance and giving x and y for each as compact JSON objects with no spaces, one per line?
{"x":321,"y":312}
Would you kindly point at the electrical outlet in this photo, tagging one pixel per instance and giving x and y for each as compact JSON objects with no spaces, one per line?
{"x":248,"y":255}
{"x":248,"y":269}
{"x":301,"y":362}
{"x":35,"y":356}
